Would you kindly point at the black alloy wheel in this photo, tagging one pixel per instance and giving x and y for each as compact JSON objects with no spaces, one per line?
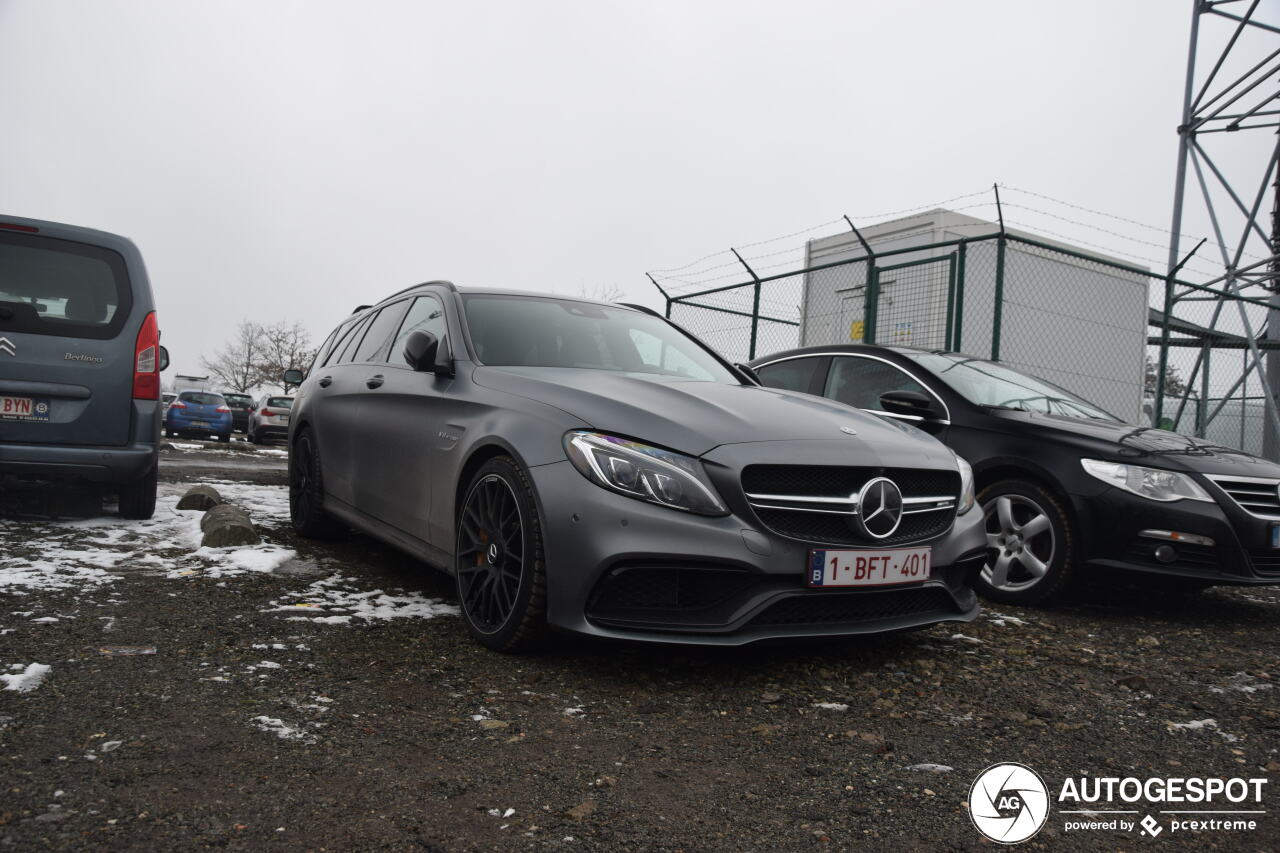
{"x":499,"y":568}
{"x":306,"y":490}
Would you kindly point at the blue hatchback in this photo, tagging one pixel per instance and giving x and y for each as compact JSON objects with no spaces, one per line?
{"x":201,"y":412}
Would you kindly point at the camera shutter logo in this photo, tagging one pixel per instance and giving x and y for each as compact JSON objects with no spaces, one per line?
{"x":1008,"y":803}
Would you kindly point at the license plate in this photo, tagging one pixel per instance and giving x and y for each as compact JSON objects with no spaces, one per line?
{"x":24,"y":409}
{"x":284,"y":419}
{"x":204,"y":424}
{"x":869,"y":568}
{"x":1275,"y":536}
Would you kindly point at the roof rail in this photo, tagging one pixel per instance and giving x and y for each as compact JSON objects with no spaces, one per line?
{"x":360,"y":308}
{"x":645,"y":308}
{"x":448,"y":285}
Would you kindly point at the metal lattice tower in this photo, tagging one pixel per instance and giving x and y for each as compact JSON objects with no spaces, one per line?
{"x":1232,"y":89}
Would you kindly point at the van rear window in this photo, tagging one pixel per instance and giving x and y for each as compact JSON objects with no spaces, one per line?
{"x":59,"y":287}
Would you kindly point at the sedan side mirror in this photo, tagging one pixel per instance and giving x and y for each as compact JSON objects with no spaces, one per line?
{"x":427,"y":353}
{"x":911,"y":403}
{"x":293,"y":377}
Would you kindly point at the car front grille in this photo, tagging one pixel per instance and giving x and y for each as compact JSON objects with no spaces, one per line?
{"x":817,"y":503}
{"x":1254,"y":495}
{"x":826,"y":608}
{"x":637,"y":587}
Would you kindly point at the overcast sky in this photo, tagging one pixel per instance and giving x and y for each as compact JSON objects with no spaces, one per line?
{"x":289,"y":160}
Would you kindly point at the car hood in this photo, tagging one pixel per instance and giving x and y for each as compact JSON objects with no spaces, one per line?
{"x":694,"y":417}
{"x":1157,"y":448}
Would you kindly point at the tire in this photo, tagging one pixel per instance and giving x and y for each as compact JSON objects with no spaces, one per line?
{"x":225,"y":438}
{"x":1026,"y":568}
{"x":253,"y":438}
{"x":502,"y":594}
{"x":138,"y":499}
{"x":306,"y":490}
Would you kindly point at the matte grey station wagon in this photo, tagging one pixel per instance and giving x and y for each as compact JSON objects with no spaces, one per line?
{"x":80,"y":362}
{"x":594,"y":469}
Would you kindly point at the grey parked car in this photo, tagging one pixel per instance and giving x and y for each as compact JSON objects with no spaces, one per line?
{"x":595,"y":469}
{"x":270,"y":419}
{"x":80,"y":361}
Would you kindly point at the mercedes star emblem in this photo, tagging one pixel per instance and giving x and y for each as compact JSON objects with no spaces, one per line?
{"x":879,"y":508}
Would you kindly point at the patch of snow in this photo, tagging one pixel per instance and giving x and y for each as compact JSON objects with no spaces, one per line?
{"x":46,"y":619}
{"x":281,"y":729}
{"x":29,"y":679}
{"x":831,"y":706}
{"x":963,"y":638}
{"x":574,"y":712}
{"x":1003,"y":619}
{"x":335,"y":601}
{"x":931,"y":768}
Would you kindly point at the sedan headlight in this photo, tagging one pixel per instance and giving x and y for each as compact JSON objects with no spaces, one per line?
{"x":966,"y":486}
{"x":1156,"y":484}
{"x":643,"y":472}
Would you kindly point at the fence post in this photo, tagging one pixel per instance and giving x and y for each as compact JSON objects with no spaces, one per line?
{"x":871,"y":300}
{"x":755,"y":305}
{"x":951,"y":300}
{"x":959,"y":318}
{"x":998,"y":308}
{"x":1201,"y":424}
{"x":998,"y":316}
{"x":1162,"y":363}
{"x":664,"y":293}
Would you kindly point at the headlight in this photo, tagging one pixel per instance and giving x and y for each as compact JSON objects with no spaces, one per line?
{"x":966,"y":486}
{"x":1154,"y":483}
{"x":643,"y":472}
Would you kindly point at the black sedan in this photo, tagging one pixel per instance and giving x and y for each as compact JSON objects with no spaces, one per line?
{"x":1062,"y":483}
{"x":594,"y":469}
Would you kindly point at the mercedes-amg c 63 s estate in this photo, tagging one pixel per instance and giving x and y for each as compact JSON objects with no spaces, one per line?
{"x":594,"y":469}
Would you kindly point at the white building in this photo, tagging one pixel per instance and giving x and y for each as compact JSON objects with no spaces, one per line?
{"x":1066,"y":318}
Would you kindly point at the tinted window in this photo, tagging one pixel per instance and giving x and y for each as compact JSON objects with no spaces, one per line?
{"x":860,"y":382}
{"x":344,"y":334}
{"x":323,"y":352}
{"x":201,"y":398}
{"x":353,"y":340}
{"x":244,"y":401}
{"x":279,"y":403}
{"x":425,"y":315}
{"x":540,"y":332}
{"x":378,"y":338}
{"x":57,"y":287}
{"x":795,"y":374}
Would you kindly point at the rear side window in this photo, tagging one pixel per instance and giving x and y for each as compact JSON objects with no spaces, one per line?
{"x":201,"y":398}
{"x":58,"y":287}
{"x":374,"y":345}
{"x":794,"y":374}
{"x":347,"y":347}
{"x":859,"y":382}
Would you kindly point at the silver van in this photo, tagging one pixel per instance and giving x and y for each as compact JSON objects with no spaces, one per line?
{"x":80,"y":362}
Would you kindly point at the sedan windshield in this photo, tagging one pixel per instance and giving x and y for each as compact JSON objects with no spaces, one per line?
{"x":529,"y":331}
{"x":989,"y":384}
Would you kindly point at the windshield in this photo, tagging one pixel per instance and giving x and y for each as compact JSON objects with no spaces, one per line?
{"x":533,"y":331}
{"x":989,"y":384}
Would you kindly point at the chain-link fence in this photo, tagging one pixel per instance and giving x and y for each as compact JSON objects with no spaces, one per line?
{"x":1088,"y":323}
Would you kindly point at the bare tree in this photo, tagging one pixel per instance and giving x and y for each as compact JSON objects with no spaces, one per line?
{"x":602,"y":292}
{"x":283,"y":345}
{"x":237,"y":364}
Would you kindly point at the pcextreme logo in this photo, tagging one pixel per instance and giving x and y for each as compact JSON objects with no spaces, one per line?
{"x":1010,"y":803}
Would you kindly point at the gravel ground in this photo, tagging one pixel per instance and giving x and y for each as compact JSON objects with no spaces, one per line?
{"x":307,"y":697}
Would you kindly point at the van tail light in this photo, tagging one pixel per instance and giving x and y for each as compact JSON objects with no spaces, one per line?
{"x":146,"y":360}
{"x":222,"y":409}
{"x":177,"y":404}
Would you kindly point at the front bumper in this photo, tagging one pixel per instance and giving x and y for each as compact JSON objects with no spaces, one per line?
{"x":719,"y":580}
{"x":1111,"y":525}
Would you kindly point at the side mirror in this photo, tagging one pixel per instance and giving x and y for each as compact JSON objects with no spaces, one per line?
{"x":911,"y":403}
{"x":749,"y":371}
{"x":164,"y":358}
{"x":427,"y":353}
{"x":293,"y":377}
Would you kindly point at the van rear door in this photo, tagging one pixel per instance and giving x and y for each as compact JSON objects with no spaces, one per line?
{"x":66,"y":342}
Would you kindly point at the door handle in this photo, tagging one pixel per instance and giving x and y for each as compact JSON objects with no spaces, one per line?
{"x":374,"y":381}
{"x":325,"y":382}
